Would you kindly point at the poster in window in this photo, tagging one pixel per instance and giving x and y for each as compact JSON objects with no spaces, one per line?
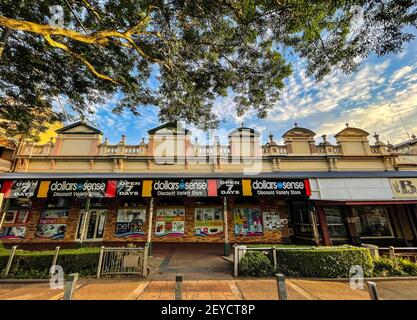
{"x":55,"y":214}
{"x":170,"y":222}
{"x":272,"y":220}
{"x":208,"y":222}
{"x":248,"y":222}
{"x":13,"y":233}
{"x":130,"y":223}
{"x":50,"y":231}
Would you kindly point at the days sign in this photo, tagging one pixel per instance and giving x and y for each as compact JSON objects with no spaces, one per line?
{"x":404,"y":187}
{"x":208,"y":222}
{"x":19,"y":188}
{"x":129,"y":188}
{"x":248,"y":222}
{"x":130,"y":222}
{"x":229,"y":187}
{"x":170,"y":222}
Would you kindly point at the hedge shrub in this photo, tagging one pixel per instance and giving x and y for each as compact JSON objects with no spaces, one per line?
{"x":255,"y":263}
{"x":329,"y":262}
{"x":387,"y":267}
{"x":36,"y":264}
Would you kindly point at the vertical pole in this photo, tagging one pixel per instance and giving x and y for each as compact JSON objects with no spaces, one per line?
{"x":274,"y":256}
{"x":236,"y":261}
{"x":87,"y":210}
{"x":373,"y":292}
{"x":314,"y":227}
{"x":226,"y":229}
{"x":4,"y":210}
{"x":178,"y":287}
{"x":145,"y":261}
{"x":149,"y":239}
{"x":100,"y":262}
{"x":323,"y":226}
{"x":70,"y":286}
{"x":282,"y":291}
{"x":54,"y":261}
{"x":9,"y":262}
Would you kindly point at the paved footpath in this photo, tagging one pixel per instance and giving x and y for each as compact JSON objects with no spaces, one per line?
{"x":247,"y":289}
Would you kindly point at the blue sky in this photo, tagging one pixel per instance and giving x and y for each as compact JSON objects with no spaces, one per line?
{"x":380,"y":97}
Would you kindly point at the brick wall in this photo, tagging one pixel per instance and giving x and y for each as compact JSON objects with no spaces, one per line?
{"x":190,"y":204}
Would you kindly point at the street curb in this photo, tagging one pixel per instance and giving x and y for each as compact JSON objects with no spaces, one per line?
{"x":24,"y":281}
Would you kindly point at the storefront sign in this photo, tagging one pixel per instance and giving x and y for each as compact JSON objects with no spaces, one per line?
{"x":170,"y":222}
{"x":19,"y":188}
{"x":275,"y":187}
{"x":404,"y":187}
{"x":155,"y":188}
{"x":208,"y":222}
{"x":129,"y":188}
{"x":13,"y":233}
{"x":73,"y":188}
{"x":130,"y":222}
{"x":248,"y":222}
{"x":184,"y":188}
{"x":229,"y":187}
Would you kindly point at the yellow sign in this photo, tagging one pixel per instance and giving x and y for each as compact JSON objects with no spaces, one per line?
{"x":404,"y":187}
{"x":43,"y":189}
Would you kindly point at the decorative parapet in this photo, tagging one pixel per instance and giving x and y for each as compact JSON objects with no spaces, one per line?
{"x":123,"y":150}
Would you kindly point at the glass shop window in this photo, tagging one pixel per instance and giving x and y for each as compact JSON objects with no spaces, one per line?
{"x":18,"y":211}
{"x":58,"y":203}
{"x":372,"y":221}
{"x":335,"y":222}
{"x":301,"y":217}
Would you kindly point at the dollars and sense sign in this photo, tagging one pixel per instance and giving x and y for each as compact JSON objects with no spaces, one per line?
{"x":155,"y":188}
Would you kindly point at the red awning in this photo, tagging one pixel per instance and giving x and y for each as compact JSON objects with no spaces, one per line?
{"x":364,"y":203}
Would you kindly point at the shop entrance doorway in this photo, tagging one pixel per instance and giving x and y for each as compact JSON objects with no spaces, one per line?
{"x":91,"y":225}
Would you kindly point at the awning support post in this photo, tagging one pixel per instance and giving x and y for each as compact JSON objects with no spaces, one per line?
{"x":4,"y":210}
{"x":226,"y":229}
{"x":149,"y":238}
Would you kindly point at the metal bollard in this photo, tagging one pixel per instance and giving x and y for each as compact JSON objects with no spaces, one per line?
{"x":178,"y":287}
{"x":274,"y":256}
{"x":282,"y":291}
{"x":10,"y":261}
{"x":70,"y":285}
{"x":236,"y":261}
{"x":373,"y":292}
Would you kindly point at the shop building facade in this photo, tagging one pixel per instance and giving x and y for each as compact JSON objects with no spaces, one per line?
{"x":81,"y":189}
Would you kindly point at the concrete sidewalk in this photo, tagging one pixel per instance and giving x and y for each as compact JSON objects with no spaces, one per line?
{"x":239,"y":289}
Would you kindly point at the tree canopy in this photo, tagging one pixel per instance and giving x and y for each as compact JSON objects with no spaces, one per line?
{"x":86,"y":51}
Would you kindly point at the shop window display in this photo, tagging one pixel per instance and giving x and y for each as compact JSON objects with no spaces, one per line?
{"x":248,"y":222}
{"x":52,"y":224}
{"x":372,"y":221}
{"x":335,"y":222}
{"x":15,"y":219}
{"x":208,"y":222}
{"x":170,"y":222}
{"x":130,"y":222}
